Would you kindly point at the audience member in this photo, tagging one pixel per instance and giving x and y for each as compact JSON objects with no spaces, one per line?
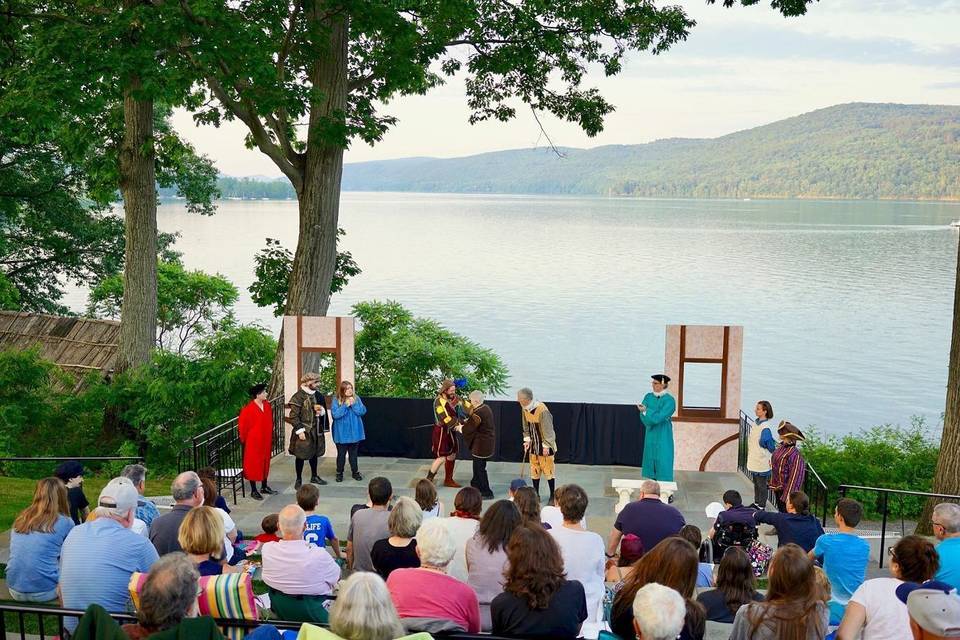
{"x":363,"y":610}
{"x":230,"y":531}
{"x":426,"y":496}
{"x":528,"y":503}
{"x":823,"y":583}
{"x":427,"y":591}
{"x":648,"y":518}
{"x":462,"y":525}
{"x":787,"y":467}
{"x":537,"y":600}
{"x":692,"y":534}
{"x":582,"y":551}
{"x":874,"y":611}
{"x":209,"y":473}
{"x":760,"y":444}
{"x":797,"y":525}
{"x":934,"y":609}
{"x":844,"y":556}
{"x":736,"y":586}
{"x":201,"y":537}
{"x":270,"y":525}
{"x":319,"y":531}
{"x":99,"y":557}
{"x":658,"y":613}
{"x":293,"y":566}
{"x":369,"y":525}
{"x":71,"y":474}
{"x":672,"y":563}
{"x":400,"y":549}
{"x":486,"y":554}
{"x":946,"y":527}
{"x":793,"y":609}
{"x":734,"y":525}
{"x":146,"y":509}
{"x":36,"y":539}
{"x":619,"y":568}
{"x":551,"y":515}
{"x":516,"y":483}
{"x":168,"y":595}
{"x":164,"y":530}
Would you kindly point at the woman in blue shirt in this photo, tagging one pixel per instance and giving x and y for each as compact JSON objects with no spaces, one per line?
{"x":35,"y":542}
{"x":347,"y":409}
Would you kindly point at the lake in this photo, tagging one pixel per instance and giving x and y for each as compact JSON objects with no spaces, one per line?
{"x":846,"y":306}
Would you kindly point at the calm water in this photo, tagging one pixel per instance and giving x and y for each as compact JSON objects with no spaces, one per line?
{"x":846,"y":306}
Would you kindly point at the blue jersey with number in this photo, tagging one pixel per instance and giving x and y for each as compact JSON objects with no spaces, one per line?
{"x":319,"y":530}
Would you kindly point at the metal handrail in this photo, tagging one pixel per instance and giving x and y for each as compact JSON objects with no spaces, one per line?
{"x":884,"y":502}
{"x":77,"y":458}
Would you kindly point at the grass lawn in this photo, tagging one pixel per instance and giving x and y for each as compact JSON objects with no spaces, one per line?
{"x":18,"y":492}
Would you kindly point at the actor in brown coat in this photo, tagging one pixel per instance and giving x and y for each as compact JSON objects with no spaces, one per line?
{"x":480,"y":434}
{"x":308,"y":416}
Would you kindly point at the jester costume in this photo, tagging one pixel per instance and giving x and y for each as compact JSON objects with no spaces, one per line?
{"x":449,"y":413}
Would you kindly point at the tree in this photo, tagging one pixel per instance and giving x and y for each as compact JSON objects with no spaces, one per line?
{"x":93,"y":76}
{"x":190,"y":304}
{"x":330,"y":65}
{"x":946,"y":477}
{"x":398,"y":354}
{"x":273,"y":267}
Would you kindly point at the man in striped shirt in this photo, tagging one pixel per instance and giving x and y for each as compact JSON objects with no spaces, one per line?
{"x":788,"y":468}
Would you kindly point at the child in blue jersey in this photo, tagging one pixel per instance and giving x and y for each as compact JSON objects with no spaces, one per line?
{"x":318,"y":531}
{"x":844,"y":556}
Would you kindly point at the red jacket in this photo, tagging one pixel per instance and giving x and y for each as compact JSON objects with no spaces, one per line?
{"x":256,"y":434}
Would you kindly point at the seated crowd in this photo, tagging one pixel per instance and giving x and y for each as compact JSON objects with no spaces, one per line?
{"x":513,"y":569}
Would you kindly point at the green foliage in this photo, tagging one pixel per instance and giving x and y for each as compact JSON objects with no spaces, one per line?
{"x":398,"y":354}
{"x":190,"y":304}
{"x":179,"y":396}
{"x":46,"y":411}
{"x":845,"y":151}
{"x":887,"y":457}
{"x":274,"y":264}
{"x":247,"y":189}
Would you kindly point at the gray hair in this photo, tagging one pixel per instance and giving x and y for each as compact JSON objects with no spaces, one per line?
{"x":185,"y":485}
{"x":111,"y":512}
{"x":291,"y":519}
{"x":476,"y":397}
{"x":363,"y":609}
{"x":434,"y":543}
{"x":947,"y":515}
{"x":650,"y":487}
{"x":526,"y":393}
{"x":406,"y":518}
{"x":169,"y":593}
{"x":137,"y":473}
{"x":659,"y":611}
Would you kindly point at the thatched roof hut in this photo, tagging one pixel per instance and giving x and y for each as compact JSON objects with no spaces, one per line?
{"x":78,"y":345}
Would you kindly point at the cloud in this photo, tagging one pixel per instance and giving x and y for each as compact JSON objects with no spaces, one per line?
{"x":942,"y":86}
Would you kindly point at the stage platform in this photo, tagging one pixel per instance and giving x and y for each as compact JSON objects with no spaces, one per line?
{"x":696,"y":489}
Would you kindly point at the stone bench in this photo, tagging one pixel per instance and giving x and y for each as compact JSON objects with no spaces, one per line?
{"x":625,"y":489}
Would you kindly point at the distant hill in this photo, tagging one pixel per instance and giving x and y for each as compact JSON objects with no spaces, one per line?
{"x":846,"y":151}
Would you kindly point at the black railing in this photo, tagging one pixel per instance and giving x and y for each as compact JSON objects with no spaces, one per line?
{"x":883,"y":496}
{"x":221,"y":449}
{"x":43,"y":622}
{"x":58,"y":459}
{"x":813,"y":485}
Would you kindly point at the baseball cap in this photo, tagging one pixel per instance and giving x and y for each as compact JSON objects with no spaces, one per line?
{"x":933,"y":605}
{"x":517,"y":483}
{"x":119,"y":495}
{"x":69,"y":470}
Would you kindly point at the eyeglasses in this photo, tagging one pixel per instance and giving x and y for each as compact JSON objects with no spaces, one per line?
{"x":891,"y":553}
{"x":937,"y":524}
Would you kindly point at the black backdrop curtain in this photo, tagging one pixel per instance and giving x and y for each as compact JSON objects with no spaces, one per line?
{"x":600,"y":434}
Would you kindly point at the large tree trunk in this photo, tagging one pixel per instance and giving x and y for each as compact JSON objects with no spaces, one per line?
{"x":138,"y":312}
{"x":946,"y":479}
{"x":314,"y":261}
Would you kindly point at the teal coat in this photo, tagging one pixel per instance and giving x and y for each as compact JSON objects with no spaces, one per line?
{"x":658,"y":436}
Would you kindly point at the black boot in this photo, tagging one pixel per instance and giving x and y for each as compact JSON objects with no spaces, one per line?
{"x":339,"y":476}
{"x":267,"y":490}
{"x":255,"y":494}
{"x":317,"y":480}
{"x":431,"y":475}
{"x":357,"y":476}
{"x":298,"y":484}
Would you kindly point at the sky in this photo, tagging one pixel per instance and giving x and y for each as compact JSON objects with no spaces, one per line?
{"x":740,"y":68}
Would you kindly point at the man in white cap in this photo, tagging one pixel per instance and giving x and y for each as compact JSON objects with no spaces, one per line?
{"x":99,"y":556}
{"x":934,"y":609}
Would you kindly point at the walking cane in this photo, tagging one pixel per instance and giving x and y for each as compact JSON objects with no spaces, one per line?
{"x":523,"y":463}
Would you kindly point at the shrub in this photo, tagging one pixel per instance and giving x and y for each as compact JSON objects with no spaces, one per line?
{"x":890,"y":457}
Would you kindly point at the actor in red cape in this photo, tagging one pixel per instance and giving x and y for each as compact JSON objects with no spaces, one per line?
{"x":256,"y":434}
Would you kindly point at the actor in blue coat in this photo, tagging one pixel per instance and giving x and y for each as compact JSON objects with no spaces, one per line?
{"x":655,"y":413}
{"x":347,"y":427}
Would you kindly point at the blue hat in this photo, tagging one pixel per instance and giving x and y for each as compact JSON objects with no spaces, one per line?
{"x":904,"y":590}
{"x":517,"y":483}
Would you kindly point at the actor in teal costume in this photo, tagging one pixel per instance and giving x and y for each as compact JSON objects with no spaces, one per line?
{"x":655,"y":413}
